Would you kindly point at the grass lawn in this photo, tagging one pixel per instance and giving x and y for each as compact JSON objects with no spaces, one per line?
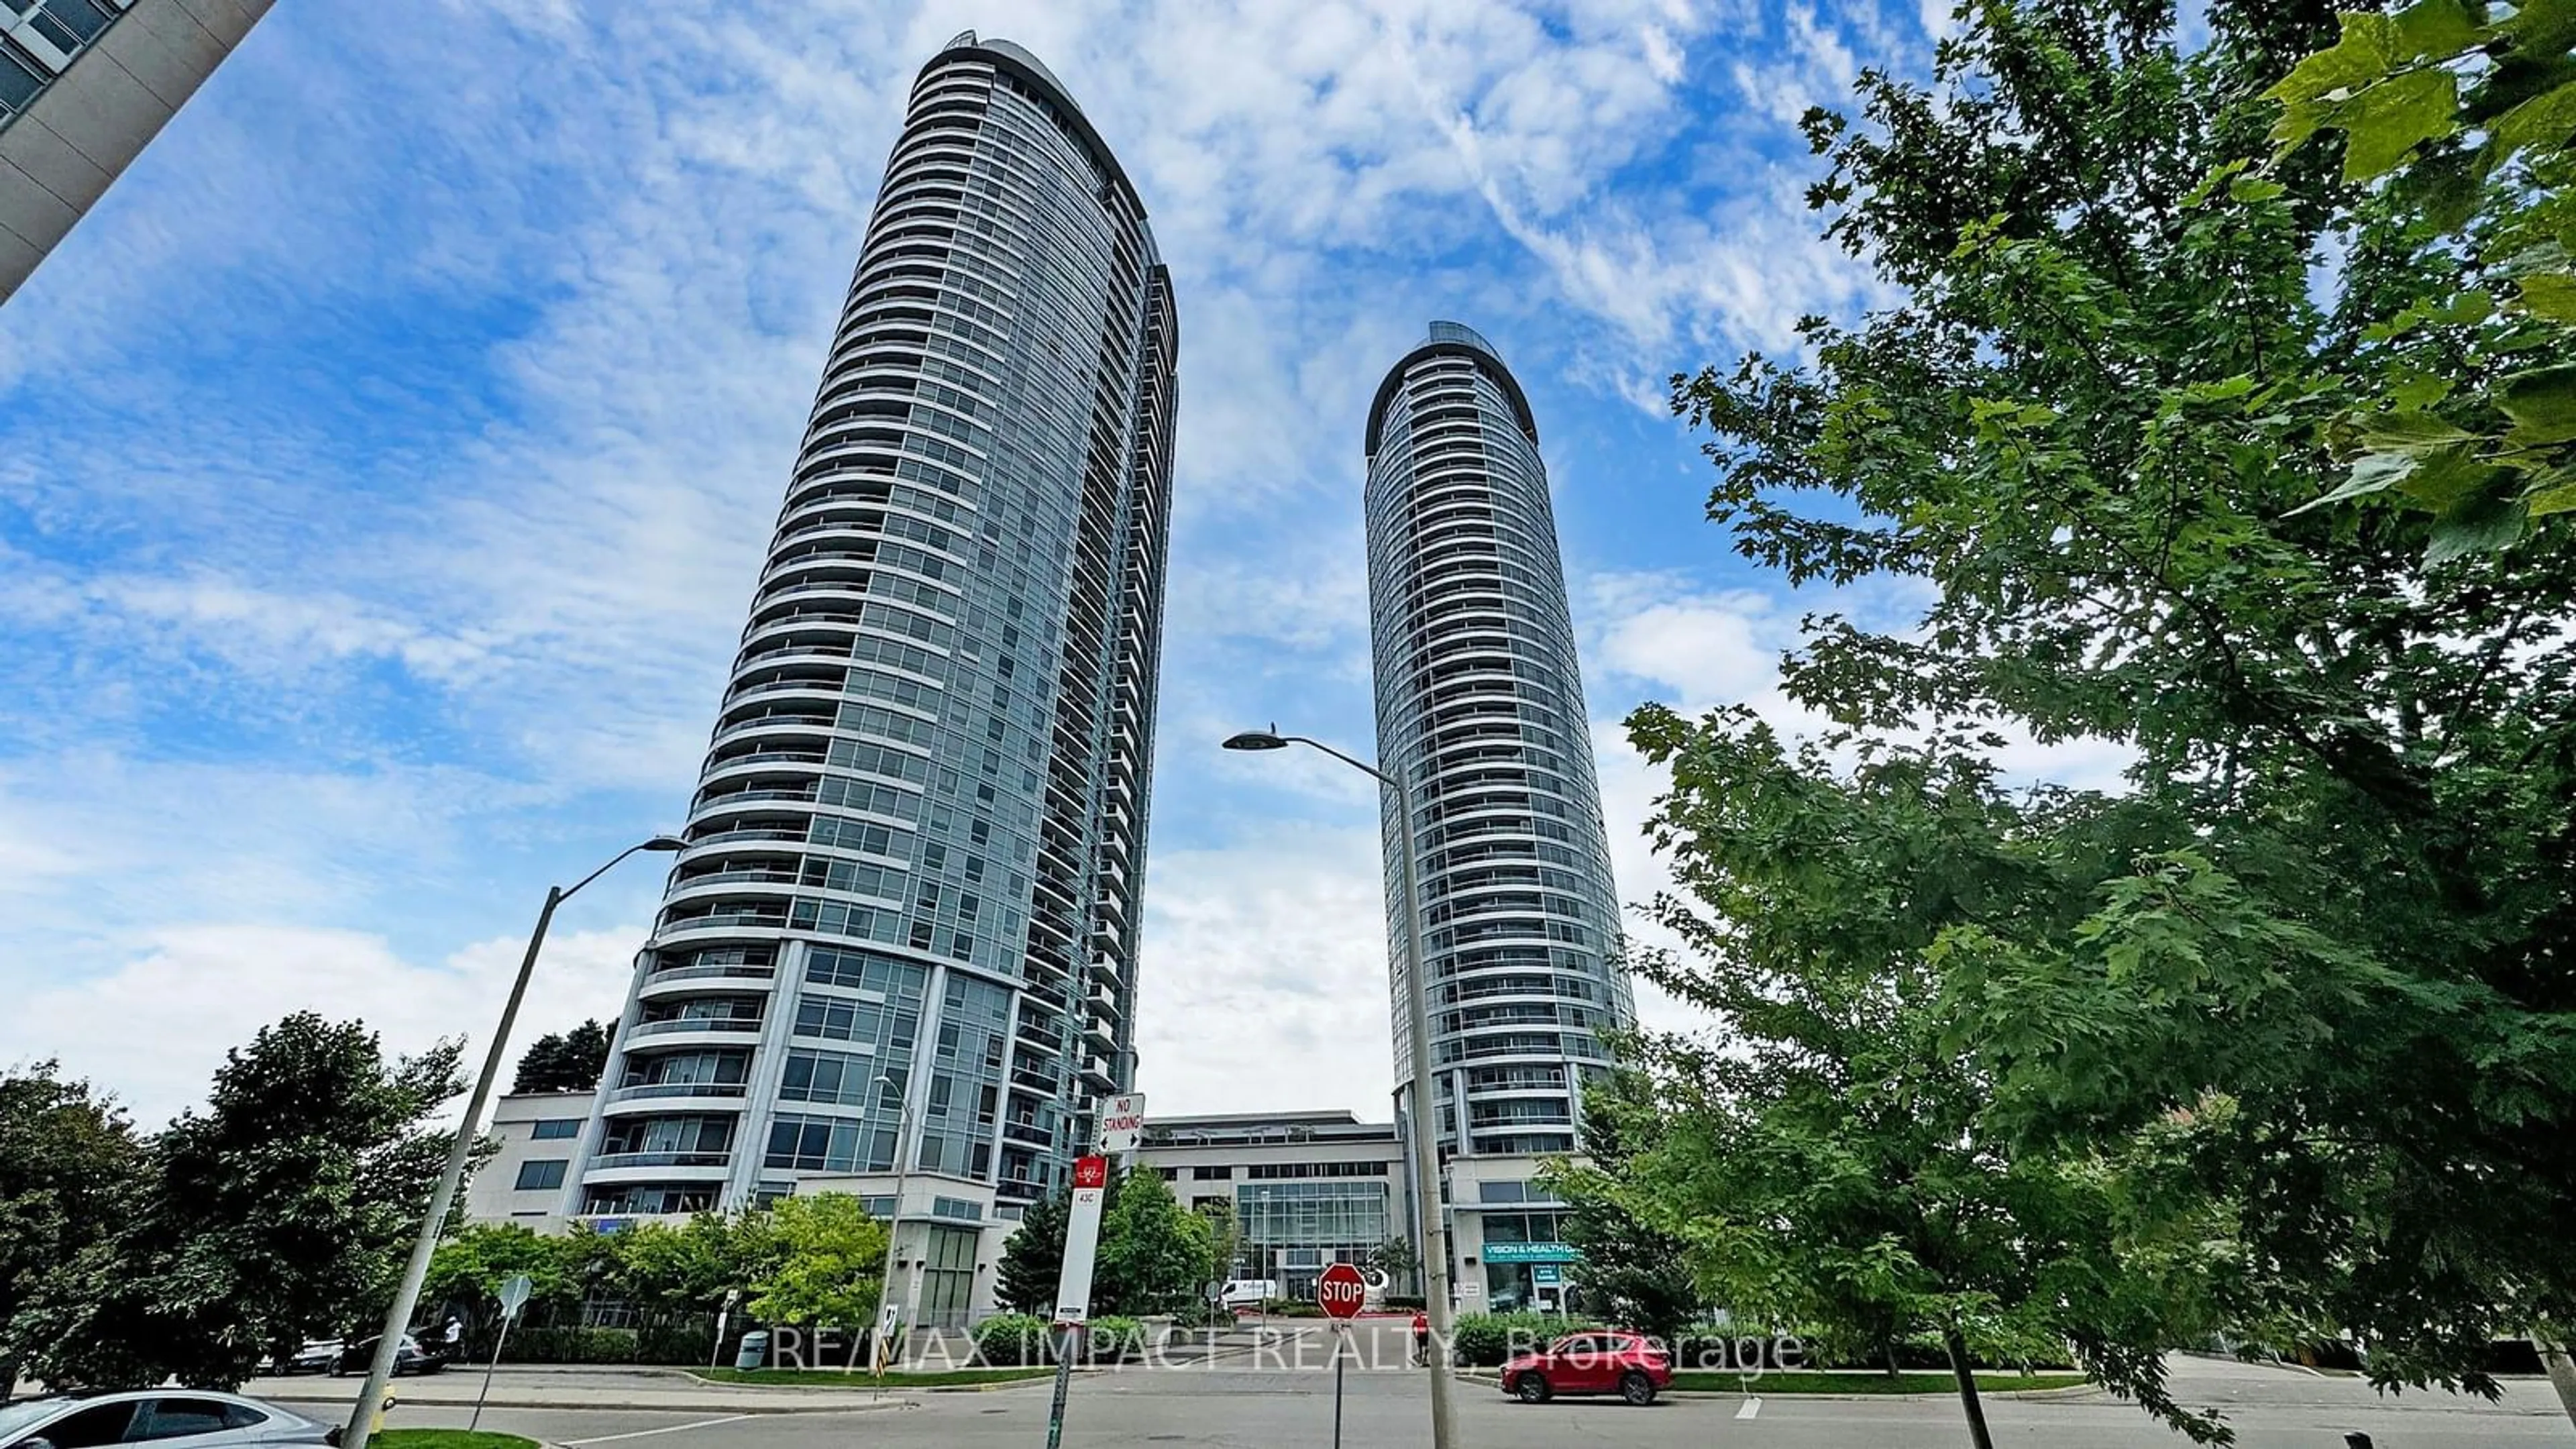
{"x":447,"y":1439}
{"x":1719,"y":1381}
{"x":836,"y":1379}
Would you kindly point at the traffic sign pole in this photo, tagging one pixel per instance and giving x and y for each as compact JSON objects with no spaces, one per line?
{"x":514,"y":1296}
{"x":1340,"y":1292}
{"x":1344,"y":1330}
{"x":1121,"y":1127}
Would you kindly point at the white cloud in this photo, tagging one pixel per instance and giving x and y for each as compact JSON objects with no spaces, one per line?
{"x":1265,"y":983}
{"x":154,"y":1028}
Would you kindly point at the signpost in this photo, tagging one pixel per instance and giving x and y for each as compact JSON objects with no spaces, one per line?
{"x":514,"y":1296}
{"x":1073,"y":1285}
{"x":1340,"y":1292}
{"x":715,"y":1356}
{"x":1122,"y":1127}
{"x":1122,"y":1123}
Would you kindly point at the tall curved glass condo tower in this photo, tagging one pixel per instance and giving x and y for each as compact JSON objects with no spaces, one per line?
{"x":905,"y":924}
{"x":1480,"y":700}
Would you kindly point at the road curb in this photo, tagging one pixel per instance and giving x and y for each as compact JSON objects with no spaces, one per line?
{"x":2065,"y":1391}
{"x":983,"y":1388}
{"x":576,"y":1405}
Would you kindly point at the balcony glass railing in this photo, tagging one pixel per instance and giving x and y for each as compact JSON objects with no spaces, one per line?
{"x":644,"y":1090}
{"x":735,"y":877}
{"x":675,"y":1025}
{"x":727,"y":920}
{"x":763,"y":757}
{"x":739,"y":971}
{"x":659,"y":1159}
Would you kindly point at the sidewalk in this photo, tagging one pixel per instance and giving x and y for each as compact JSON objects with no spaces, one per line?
{"x":586,"y":1387}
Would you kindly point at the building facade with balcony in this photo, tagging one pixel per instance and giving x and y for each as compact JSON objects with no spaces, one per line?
{"x":1480,"y":702}
{"x":904,"y":927}
{"x":84,"y":86}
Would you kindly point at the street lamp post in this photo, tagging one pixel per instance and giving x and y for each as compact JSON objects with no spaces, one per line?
{"x":1431,"y":1223}
{"x":894,"y":1221}
{"x":398,"y":1317}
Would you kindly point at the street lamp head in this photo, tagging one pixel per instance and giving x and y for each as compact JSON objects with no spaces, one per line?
{"x":1268,"y":739}
{"x":665,"y":843}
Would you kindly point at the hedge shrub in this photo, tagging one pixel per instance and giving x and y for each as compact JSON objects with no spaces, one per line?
{"x":571,"y":1345}
{"x":1007,"y":1340}
{"x":1487,"y":1340}
{"x":1113,"y":1339}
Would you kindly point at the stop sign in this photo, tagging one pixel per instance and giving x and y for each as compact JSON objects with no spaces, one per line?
{"x":1341,"y":1290}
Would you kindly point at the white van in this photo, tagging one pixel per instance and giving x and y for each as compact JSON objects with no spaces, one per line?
{"x":1249,"y":1292}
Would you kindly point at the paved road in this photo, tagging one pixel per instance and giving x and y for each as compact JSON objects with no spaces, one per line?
{"x":1232,"y":1408}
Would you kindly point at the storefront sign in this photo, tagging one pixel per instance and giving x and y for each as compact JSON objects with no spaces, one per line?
{"x":1531,"y":1253}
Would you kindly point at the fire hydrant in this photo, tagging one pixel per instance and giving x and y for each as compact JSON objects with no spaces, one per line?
{"x":382,"y":1409}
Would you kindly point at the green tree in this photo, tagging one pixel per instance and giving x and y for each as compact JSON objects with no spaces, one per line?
{"x":1397,"y":1260}
{"x":1224,"y":1234}
{"x":1153,"y":1252}
{"x":1033,"y":1258}
{"x":467,"y":1271}
{"x":1639,"y":1276}
{"x":1830,"y":1165}
{"x":2467,"y":410}
{"x":692,"y":1265}
{"x":2299,"y":989}
{"x":285,"y":1207}
{"x":569,"y":1061}
{"x":69,"y":1165}
{"x":829,"y":1268}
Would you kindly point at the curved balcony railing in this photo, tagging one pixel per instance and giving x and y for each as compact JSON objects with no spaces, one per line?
{"x":609,"y":1160}
{"x":735,"y":877}
{"x":737,"y":971}
{"x":724,"y":921}
{"x":764,"y":757}
{"x":678,"y":1024}
{"x":777,"y":719}
{"x":676,"y":1089}
{"x":727,"y":837}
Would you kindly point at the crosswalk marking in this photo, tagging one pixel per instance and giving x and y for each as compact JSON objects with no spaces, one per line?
{"x":673,"y":1429}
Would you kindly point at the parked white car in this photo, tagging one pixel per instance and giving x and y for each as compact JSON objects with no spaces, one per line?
{"x":181,"y":1418}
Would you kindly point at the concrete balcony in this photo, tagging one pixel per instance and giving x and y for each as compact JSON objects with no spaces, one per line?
{"x":620,"y":1167}
{"x":719,"y":1031}
{"x":721,"y":927}
{"x":706,"y":980}
{"x":651,"y":1097}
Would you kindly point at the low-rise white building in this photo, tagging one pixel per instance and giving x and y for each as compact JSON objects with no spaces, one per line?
{"x":539,"y":1133}
{"x":1305,"y":1189}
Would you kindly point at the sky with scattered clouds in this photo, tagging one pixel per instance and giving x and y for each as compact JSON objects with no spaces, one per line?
{"x":386,"y":461}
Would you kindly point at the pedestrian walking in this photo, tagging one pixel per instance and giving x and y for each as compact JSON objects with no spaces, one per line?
{"x":1421,"y":1338}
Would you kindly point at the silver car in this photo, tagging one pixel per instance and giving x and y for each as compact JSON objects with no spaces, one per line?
{"x":181,"y":1418}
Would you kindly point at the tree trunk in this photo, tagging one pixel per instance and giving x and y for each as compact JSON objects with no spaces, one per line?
{"x":1887,"y":1352}
{"x":2562,"y":1372}
{"x":1977,"y":1432}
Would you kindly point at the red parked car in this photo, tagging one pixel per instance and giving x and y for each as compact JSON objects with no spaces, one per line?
{"x":1630,"y":1365}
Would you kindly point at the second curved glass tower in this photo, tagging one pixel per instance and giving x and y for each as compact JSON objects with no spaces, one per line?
{"x":1480,"y":700}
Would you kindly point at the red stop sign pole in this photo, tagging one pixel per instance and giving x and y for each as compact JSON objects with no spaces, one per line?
{"x":1340,"y":1292}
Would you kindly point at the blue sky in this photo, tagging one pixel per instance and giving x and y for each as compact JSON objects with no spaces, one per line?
{"x":384,"y":467}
